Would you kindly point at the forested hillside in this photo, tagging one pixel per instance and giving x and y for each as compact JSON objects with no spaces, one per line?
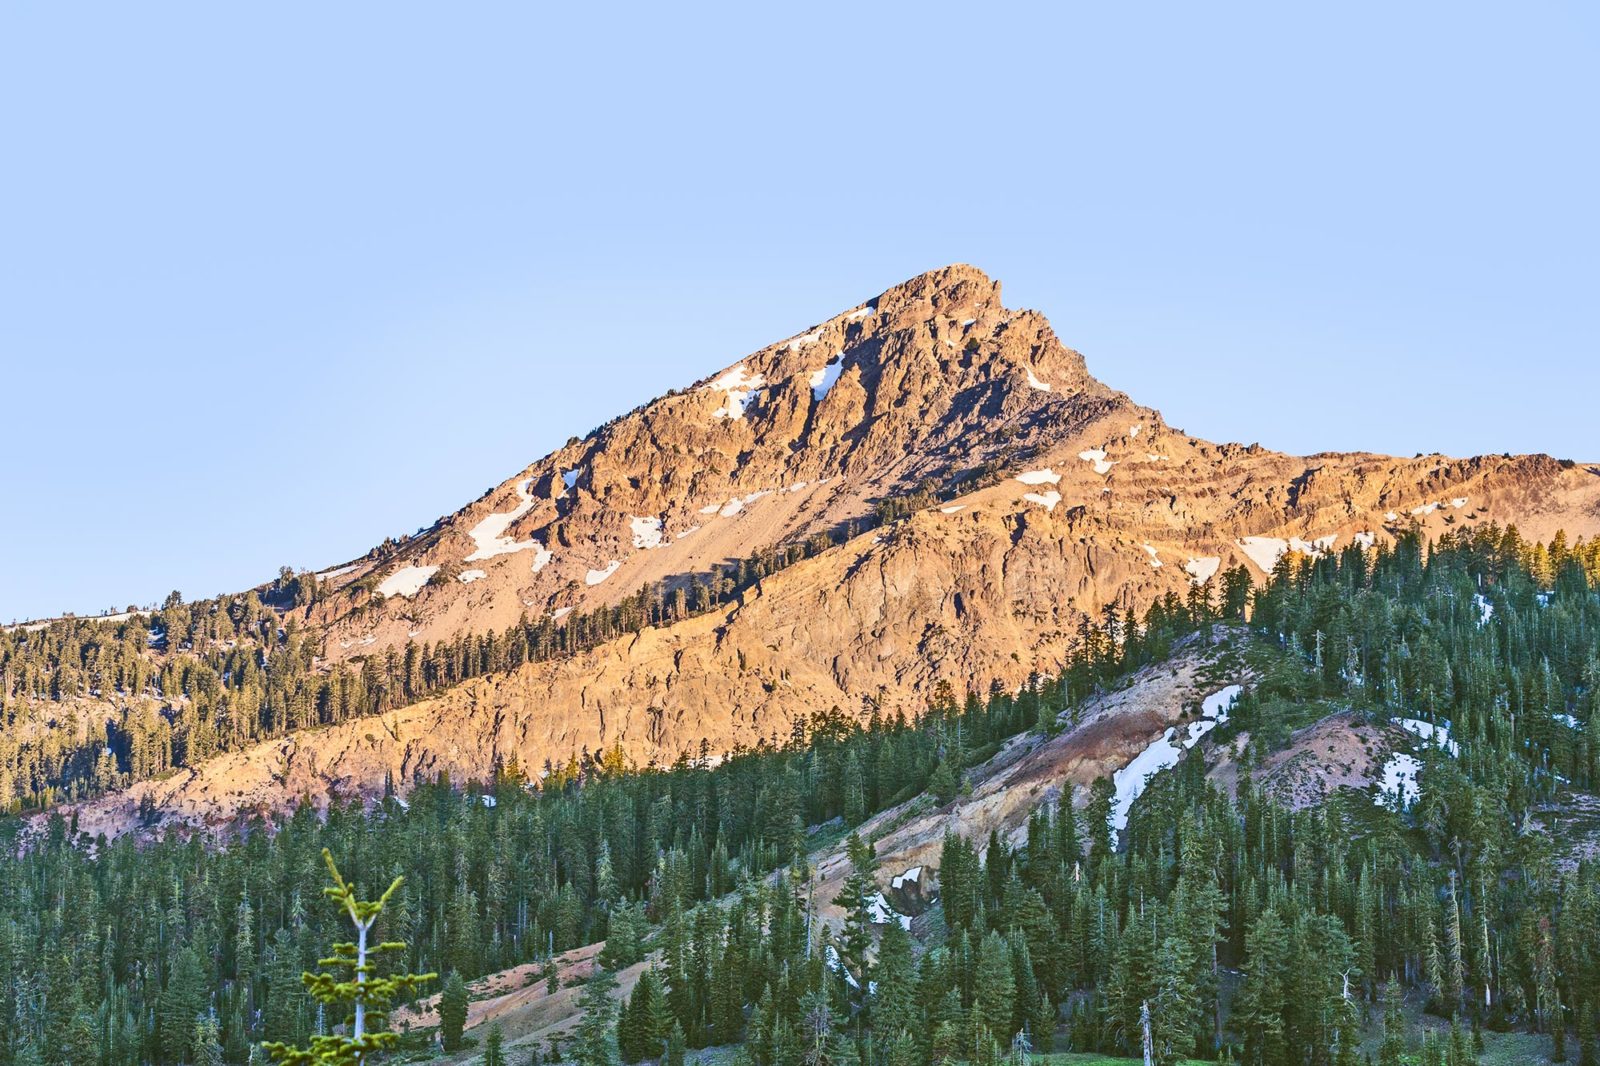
{"x":90,"y":705}
{"x":1223,"y":921}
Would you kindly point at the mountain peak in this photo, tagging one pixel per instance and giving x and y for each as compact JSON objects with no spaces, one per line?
{"x":921,"y":386}
{"x":953,"y":287}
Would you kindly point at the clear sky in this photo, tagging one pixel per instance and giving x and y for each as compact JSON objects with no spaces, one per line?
{"x":279,"y":280}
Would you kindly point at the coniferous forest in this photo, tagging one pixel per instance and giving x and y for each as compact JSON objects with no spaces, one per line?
{"x":1214,"y":926}
{"x":90,"y":705}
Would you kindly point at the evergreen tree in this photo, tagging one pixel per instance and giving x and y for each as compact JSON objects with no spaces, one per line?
{"x":493,"y":1047}
{"x":207,"y":1042}
{"x":1175,"y":1009}
{"x":596,"y":1040}
{"x":452,"y":1011}
{"x":994,"y":991}
{"x":894,"y":1002}
{"x":182,"y":1004}
{"x":1392,"y":1048}
{"x":355,"y":981}
{"x":856,"y":897}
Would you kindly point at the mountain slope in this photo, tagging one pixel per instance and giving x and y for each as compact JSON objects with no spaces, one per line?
{"x":1021,"y":492}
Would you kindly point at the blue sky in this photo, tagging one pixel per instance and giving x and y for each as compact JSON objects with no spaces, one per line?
{"x":278,"y":282}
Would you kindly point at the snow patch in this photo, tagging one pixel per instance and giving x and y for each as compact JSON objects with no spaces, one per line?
{"x":1219,"y":703}
{"x":692,"y":529}
{"x":1425,"y":509}
{"x":1134,"y":431}
{"x":1485,"y":608}
{"x":1458,"y":502}
{"x":1039,"y":477}
{"x":953,"y":508}
{"x":1097,"y":456}
{"x":646,"y":532}
{"x":594,"y":577}
{"x":1366,"y":539}
{"x":1047,"y":500}
{"x":1155,"y":560}
{"x":1436,"y":736}
{"x":1264,"y":551}
{"x":1202,"y":569}
{"x":1130,"y":781}
{"x":560,"y":612}
{"x":1035,"y":383}
{"x":1390,"y":516}
{"x":489,"y":535}
{"x":1399,"y":781}
{"x":1316,"y":548}
{"x":406,"y":581}
{"x":569,"y":478}
{"x":740,"y":387}
{"x":799,"y":341}
{"x":831,"y":956}
{"x":860,"y":313}
{"x":879,"y":911}
{"x":467,"y":577}
{"x":912,"y":875}
{"x":1568,"y":721}
{"x":822,"y":380}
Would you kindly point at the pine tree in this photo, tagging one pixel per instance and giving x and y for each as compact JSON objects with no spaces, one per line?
{"x":183,"y":1002}
{"x":1260,"y":1006}
{"x":894,"y":1003}
{"x":675,"y":1047}
{"x":493,"y":1047}
{"x":285,"y":991}
{"x":207,"y":1042}
{"x":815,"y":1043}
{"x":994,"y":990}
{"x":83,"y":1043}
{"x":856,"y":897}
{"x":596,"y":1041}
{"x":452,"y":1011}
{"x":1175,"y":1009}
{"x":643,"y":1021}
{"x":355,"y":981}
{"x":945,"y":781}
{"x":1097,"y":816}
{"x":1392,"y":1049}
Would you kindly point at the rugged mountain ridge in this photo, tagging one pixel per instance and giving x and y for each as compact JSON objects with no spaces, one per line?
{"x":920,"y":384}
{"x":1040,"y":495}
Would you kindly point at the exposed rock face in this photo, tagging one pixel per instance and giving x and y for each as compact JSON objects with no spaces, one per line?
{"x":1097,"y":498}
{"x":926,"y":381}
